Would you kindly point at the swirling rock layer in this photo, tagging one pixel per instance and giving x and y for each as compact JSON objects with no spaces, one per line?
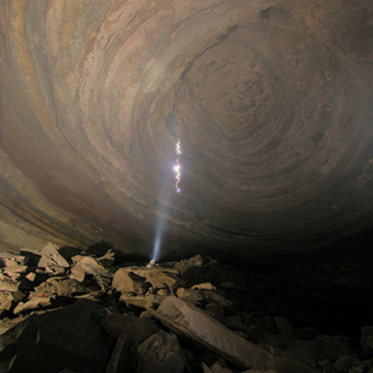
{"x":271,"y":102}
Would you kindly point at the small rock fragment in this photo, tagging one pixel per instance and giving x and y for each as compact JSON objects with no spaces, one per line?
{"x":31,"y":276}
{"x":204,"y":286}
{"x":6,"y":299}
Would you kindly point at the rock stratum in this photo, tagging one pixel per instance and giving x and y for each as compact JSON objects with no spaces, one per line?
{"x":271,"y":102}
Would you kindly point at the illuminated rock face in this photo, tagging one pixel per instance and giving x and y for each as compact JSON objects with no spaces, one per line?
{"x":270,"y":100}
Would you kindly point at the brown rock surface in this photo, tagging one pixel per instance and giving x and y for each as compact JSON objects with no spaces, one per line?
{"x":271,"y":101}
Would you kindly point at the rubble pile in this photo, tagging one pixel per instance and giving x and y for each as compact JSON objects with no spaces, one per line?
{"x":82,"y":314}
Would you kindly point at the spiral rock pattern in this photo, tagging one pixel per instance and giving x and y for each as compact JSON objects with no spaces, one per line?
{"x":272,"y":101}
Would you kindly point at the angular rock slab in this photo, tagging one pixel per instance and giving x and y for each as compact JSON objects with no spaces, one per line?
{"x":195,"y":324}
{"x":159,"y":278}
{"x":70,"y":338}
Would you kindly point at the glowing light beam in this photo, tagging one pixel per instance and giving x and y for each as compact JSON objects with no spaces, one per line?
{"x":177,"y":167}
{"x":163,"y":207}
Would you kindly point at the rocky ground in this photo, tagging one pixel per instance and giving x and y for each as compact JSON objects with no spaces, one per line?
{"x":65,"y":311}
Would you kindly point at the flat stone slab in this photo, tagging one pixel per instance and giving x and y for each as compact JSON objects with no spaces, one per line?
{"x":188,"y":320}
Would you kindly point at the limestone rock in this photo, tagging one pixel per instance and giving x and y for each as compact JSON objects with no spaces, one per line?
{"x":332,"y":347}
{"x":284,"y":327}
{"x":184,"y":265}
{"x":8,"y":284}
{"x":258,"y":371}
{"x":121,"y":358}
{"x":345,"y":363}
{"x":192,"y":296}
{"x":204,"y":286}
{"x":158,"y":278}
{"x":232,"y":285}
{"x":212,"y":296}
{"x":216,"y":368}
{"x":69,"y":338}
{"x":6,"y":299}
{"x":32,"y":304}
{"x":161,"y":352}
{"x":193,"y":323}
{"x":308,"y":334}
{"x":87,"y":265}
{"x":31,"y":276}
{"x":148,"y":302}
{"x":139,"y":329}
{"x":215,"y":309}
{"x":61,"y":287}
{"x":50,"y":256}
{"x":127,"y":281}
{"x":367,"y":339}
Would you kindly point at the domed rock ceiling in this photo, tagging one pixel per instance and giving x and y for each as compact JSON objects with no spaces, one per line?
{"x":271,"y":102}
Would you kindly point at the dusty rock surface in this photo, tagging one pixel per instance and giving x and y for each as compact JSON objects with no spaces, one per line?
{"x":196,"y":315}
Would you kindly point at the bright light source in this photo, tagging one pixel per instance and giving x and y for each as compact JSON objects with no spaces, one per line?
{"x":177,"y":167}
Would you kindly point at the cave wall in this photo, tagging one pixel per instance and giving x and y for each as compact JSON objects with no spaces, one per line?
{"x":270,"y":100}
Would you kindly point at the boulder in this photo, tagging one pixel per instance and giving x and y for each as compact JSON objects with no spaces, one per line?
{"x":32,"y":304}
{"x":6,"y":299}
{"x":233,"y":286}
{"x":212,"y":296}
{"x":345,"y":363}
{"x":51,"y":257}
{"x":7,"y":283}
{"x":367,"y":339}
{"x":148,"y":302}
{"x":258,"y":371}
{"x":161,"y":352}
{"x":284,"y":327}
{"x":192,"y":296}
{"x":332,"y":347}
{"x":204,"y":286}
{"x":139,"y":329}
{"x":215,"y":310}
{"x":60,"y":286}
{"x":122,"y":358}
{"x":127,"y":281}
{"x":216,"y":368}
{"x":158,"y":278}
{"x":184,"y":265}
{"x":308,"y":334}
{"x":69,"y":338}
{"x":193,"y":323}
{"x":87,"y":265}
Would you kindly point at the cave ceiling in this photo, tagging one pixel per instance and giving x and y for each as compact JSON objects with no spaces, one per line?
{"x":272,"y":102}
